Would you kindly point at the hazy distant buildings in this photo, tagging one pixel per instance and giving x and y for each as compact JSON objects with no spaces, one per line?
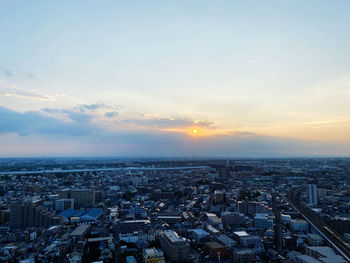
{"x":224,"y":172}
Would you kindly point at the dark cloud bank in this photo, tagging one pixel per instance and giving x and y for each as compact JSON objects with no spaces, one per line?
{"x":154,"y":143}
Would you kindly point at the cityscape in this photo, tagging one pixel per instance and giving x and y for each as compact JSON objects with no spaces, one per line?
{"x":163,"y":210}
{"x":188,"y":131}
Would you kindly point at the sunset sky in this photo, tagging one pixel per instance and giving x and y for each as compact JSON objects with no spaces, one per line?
{"x":134,"y":78}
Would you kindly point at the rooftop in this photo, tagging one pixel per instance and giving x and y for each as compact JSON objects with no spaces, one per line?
{"x":241,"y":233}
{"x":173,"y":236}
{"x":151,"y":251}
{"x":214,"y":245}
{"x":200,"y":231}
{"x":80,"y":230}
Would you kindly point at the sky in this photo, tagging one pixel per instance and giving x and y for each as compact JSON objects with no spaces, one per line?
{"x":134,"y":78}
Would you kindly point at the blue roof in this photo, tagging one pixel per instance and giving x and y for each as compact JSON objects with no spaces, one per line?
{"x":79,"y":213}
{"x":91,"y":214}
{"x":67,"y":213}
{"x":200,"y":231}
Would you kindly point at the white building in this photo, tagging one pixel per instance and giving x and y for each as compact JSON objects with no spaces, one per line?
{"x":285,"y":218}
{"x":214,"y":220}
{"x":248,"y":241}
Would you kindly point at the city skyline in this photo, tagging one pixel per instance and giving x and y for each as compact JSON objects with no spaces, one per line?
{"x":255,"y":79}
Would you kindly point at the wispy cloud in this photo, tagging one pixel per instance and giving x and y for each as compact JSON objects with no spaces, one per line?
{"x":168,"y":123}
{"x":111,"y":114}
{"x":84,"y":112}
{"x":13,"y":91}
{"x":243,"y":133}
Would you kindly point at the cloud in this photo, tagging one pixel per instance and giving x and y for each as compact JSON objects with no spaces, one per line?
{"x":13,"y":91}
{"x":7,"y":72}
{"x":243,"y":133}
{"x":78,"y":116}
{"x":97,"y":106}
{"x":32,"y":122}
{"x":111,"y":114}
{"x":92,"y":107}
{"x":168,"y":123}
{"x":34,"y":127}
{"x":84,"y":112}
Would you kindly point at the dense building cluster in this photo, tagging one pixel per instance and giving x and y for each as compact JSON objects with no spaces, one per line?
{"x":172,"y":211}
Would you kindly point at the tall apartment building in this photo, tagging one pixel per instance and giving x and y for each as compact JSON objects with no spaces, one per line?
{"x":175,"y":247}
{"x":17,"y":215}
{"x":312,"y":194}
{"x":64,"y":203}
{"x":82,"y":198}
{"x":27,"y":214}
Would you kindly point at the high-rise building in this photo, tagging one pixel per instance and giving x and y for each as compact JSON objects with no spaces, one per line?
{"x":28,"y":214}
{"x":16,"y":215}
{"x":64,"y":203}
{"x":175,"y":247}
{"x":312,"y":194}
{"x":82,"y":198}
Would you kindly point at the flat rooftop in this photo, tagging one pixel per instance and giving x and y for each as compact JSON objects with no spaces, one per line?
{"x":241,"y":233}
{"x":80,"y":230}
{"x":173,"y":236}
{"x":214,"y":245}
